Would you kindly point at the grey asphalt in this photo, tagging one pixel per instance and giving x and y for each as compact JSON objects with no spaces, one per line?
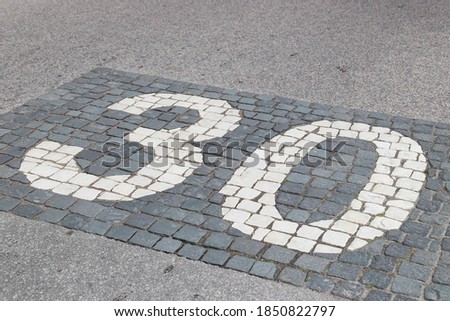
{"x":387,"y":56}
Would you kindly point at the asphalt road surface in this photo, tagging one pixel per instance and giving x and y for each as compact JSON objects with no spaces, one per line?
{"x":387,"y":56}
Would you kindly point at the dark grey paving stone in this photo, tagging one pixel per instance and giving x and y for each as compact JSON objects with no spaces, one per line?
{"x":246,"y":246}
{"x":61,"y":202}
{"x":215,"y":257}
{"x":165,"y":227}
{"x":359,"y":258}
{"x":383,"y":263}
{"x":74,"y":221}
{"x":96,"y":227}
{"x":345,"y":271}
{"x":442,"y":275}
{"x":86,"y":208}
{"x":264,"y":269}
{"x":52,"y":215}
{"x":377,"y":295}
{"x":218,"y":240}
{"x":27,"y":210}
{"x":312,"y":263}
{"x":176,"y":214}
{"x":141,"y":221}
{"x":194,"y":205}
{"x":120,"y":232}
{"x":292,"y":276}
{"x":398,"y":250}
{"x":194,"y":219}
{"x":377,"y":279}
{"x":168,"y":245}
{"x":240,"y":263}
{"x":424,"y":257}
{"x":39,"y":196}
{"x":320,"y":283}
{"x":7,"y":203}
{"x":112,"y":215}
{"x":415,"y":271}
{"x":145,"y":239}
{"x":437,"y":292}
{"x":407,"y":286}
{"x":192,"y":252}
{"x":279,"y":254}
{"x":190,"y":234}
{"x":216,"y":224}
{"x":349,"y":290}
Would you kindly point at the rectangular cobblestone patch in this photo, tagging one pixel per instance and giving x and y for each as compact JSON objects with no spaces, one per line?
{"x":374,"y":228}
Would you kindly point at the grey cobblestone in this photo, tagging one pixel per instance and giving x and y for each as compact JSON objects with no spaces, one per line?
{"x":349,"y":290}
{"x":344,"y":270}
{"x":165,"y":227}
{"x":190,"y":234}
{"x":51,"y":216}
{"x":216,"y":257}
{"x":145,"y":239}
{"x":219,"y":240}
{"x":415,"y":271}
{"x":168,"y":245}
{"x":121,"y":233}
{"x":320,"y":284}
{"x":264,"y":269}
{"x":406,"y":286}
{"x":312,"y":263}
{"x":96,"y":227}
{"x":377,"y":279}
{"x":192,"y":252}
{"x":246,"y":246}
{"x":292,"y":276}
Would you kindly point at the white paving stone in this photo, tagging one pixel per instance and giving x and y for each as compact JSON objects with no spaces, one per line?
{"x":248,"y":193}
{"x":65,"y":189}
{"x":322,"y":248}
{"x":44,"y":183}
{"x":401,"y":172}
{"x":260,"y":233}
{"x":236,"y":216}
{"x":83,"y":179}
{"x":335,"y":238}
{"x":249,"y":206}
{"x":63,"y":175}
{"x":309,"y":232}
{"x":301,"y":244}
{"x":124,"y":189}
{"x":86,"y":193}
{"x":356,"y":217}
{"x":397,"y":213}
{"x":277,"y":238}
{"x":384,"y":190}
{"x":408,"y":183}
{"x":368,"y":233}
{"x":345,"y":226}
{"x":285,"y":226}
{"x":401,"y":204}
{"x":48,"y":145}
{"x":244,"y":228}
{"x":385,"y":223}
{"x":259,"y":220}
{"x":374,"y":209}
{"x":371,"y":197}
{"x":415,"y":165}
{"x":381,"y":179}
{"x":407,"y":195}
{"x":357,"y":244}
